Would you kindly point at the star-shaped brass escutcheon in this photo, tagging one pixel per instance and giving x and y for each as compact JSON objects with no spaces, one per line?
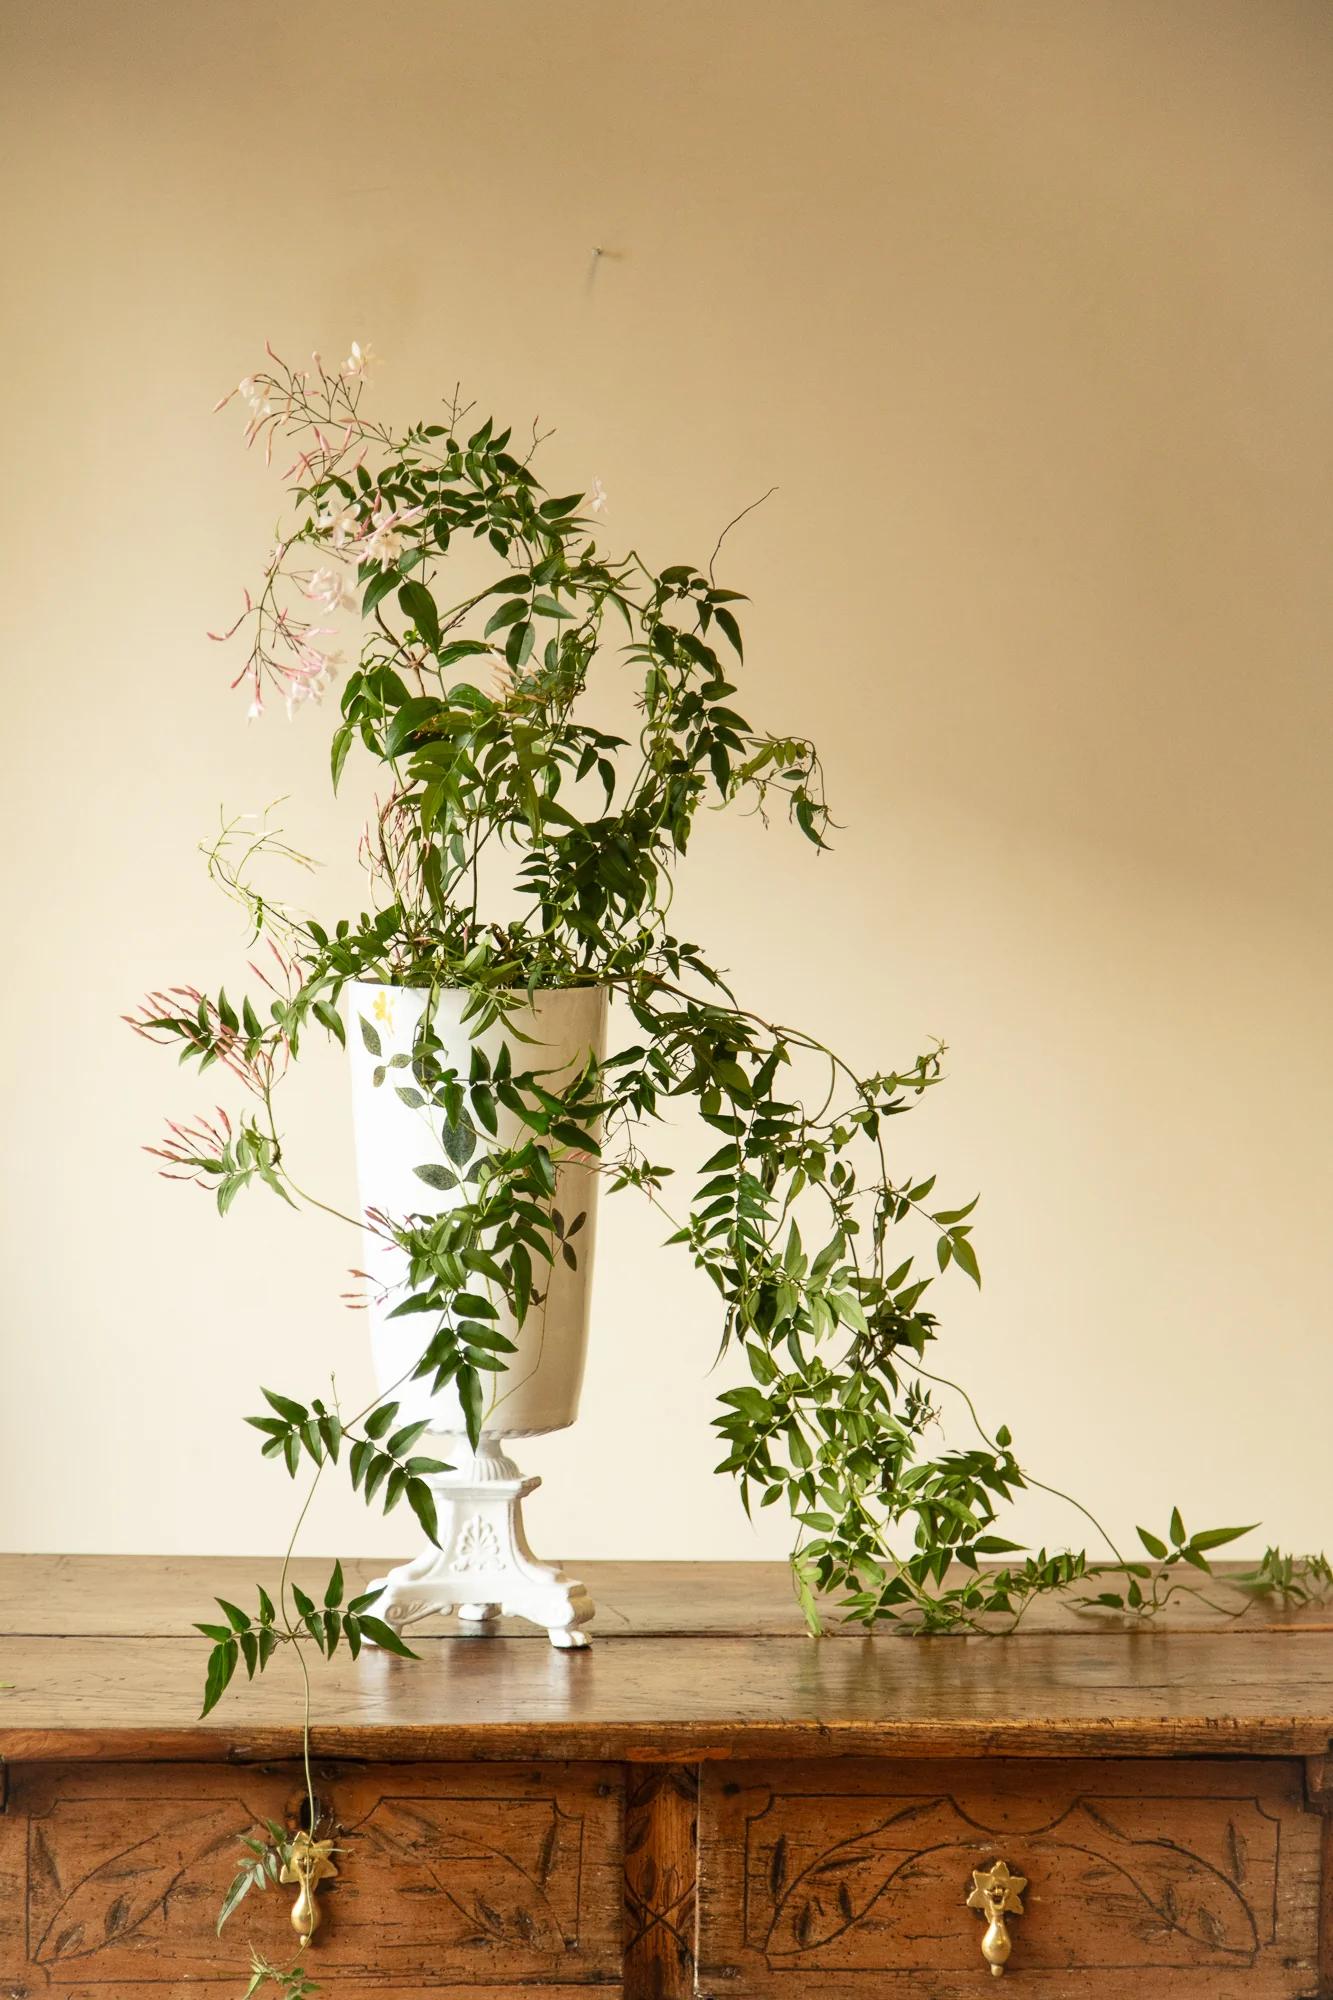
{"x":997,"y":1894}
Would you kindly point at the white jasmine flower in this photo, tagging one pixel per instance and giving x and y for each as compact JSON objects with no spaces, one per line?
{"x":311,"y":680}
{"x":330,"y":590}
{"x":254,"y":395}
{"x":360,"y":362}
{"x":384,"y":542}
{"x":597,"y":500}
{"x":339,"y":521}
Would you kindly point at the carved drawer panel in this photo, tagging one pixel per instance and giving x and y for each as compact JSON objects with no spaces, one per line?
{"x":1188,"y":1881}
{"x":492,"y":1879}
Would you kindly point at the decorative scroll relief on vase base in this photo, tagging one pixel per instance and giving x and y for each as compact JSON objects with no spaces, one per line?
{"x":483,"y":1568}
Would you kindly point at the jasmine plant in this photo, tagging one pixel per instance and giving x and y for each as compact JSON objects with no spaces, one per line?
{"x":466,"y":707}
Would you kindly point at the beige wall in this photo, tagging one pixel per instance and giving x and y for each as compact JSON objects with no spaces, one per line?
{"x":1024,"y":305}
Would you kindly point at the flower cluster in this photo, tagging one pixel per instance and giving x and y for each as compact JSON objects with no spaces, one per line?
{"x":362,"y":534}
{"x":321,"y":407}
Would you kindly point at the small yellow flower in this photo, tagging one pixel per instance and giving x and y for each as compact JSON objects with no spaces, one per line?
{"x":383,"y":1009}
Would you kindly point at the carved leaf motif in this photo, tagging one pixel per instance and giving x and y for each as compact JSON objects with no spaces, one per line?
{"x":836,"y":1890}
{"x":496,"y":1898}
{"x":1190,"y":1895}
{"x":1237,"y":1850}
{"x":117,"y":1897}
{"x":477,"y":1547}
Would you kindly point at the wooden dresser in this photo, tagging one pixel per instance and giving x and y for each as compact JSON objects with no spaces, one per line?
{"x":705,"y":1801}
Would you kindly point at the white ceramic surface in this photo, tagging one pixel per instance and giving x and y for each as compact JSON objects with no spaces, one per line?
{"x":540,"y":1389}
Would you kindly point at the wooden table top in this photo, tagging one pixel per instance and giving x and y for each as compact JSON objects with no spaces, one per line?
{"x":689,"y":1661}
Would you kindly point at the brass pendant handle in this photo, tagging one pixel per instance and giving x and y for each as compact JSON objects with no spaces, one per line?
{"x":997,"y":1894}
{"x":308,"y":1864}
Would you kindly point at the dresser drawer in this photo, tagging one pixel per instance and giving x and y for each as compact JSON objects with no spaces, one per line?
{"x":1176,"y":1881}
{"x":490,"y":1879}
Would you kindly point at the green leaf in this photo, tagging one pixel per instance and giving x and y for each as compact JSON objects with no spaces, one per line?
{"x":459,"y":1142}
{"x":377,"y":589}
{"x":378,"y":1422}
{"x":439,"y":1178}
{"x":330,"y":1018}
{"x":1217,"y":1538}
{"x":221,"y":1666}
{"x":419,"y":606}
{"x":342,"y":743}
{"x":370,"y":1036}
{"x":946,"y":1216}
{"x":508,"y":614}
{"x":567,"y":1134}
{"x":1177,"y":1528}
{"x":966,"y":1258}
{"x":384,"y":1635}
{"x":295,"y":1413}
{"x":240,"y":1888}
{"x":1154,"y":1544}
{"x":402,"y":1441}
{"x":469,"y":1395}
{"x":333,"y":1595}
{"x":732,"y":630}
{"x":422,"y":1502}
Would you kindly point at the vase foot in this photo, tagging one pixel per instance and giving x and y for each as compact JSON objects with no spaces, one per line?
{"x":483,"y":1565}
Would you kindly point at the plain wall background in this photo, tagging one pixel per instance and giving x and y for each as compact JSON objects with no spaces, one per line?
{"x":1026,"y":309}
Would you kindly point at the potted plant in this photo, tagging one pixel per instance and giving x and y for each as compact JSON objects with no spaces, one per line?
{"x":409,"y":1041}
{"x":520,"y":862}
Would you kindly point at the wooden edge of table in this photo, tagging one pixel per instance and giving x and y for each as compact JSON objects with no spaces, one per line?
{"x":682,"y":1700}
{"x":689,"y":1663}
{"x":660,"y":1743}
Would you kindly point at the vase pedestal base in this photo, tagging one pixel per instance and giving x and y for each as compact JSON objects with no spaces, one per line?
{"x":483,"y":1568}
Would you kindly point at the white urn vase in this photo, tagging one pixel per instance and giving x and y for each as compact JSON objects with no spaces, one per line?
{"x":483,"y":1565}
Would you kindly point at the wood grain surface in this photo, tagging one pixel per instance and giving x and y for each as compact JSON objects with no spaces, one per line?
{"x":514,"y":1820}
{"x":126,"y":1596}
{"x":688,"y":1700}
{"x":661,"y":1867}
{"x":684,"y":1685}
{"x":488,"y":1879}
{"x":1198,"y":1879}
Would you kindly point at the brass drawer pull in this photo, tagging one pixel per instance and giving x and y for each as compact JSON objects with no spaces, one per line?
{"x":308,"y":1864}
{"x":997,"y":1894}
